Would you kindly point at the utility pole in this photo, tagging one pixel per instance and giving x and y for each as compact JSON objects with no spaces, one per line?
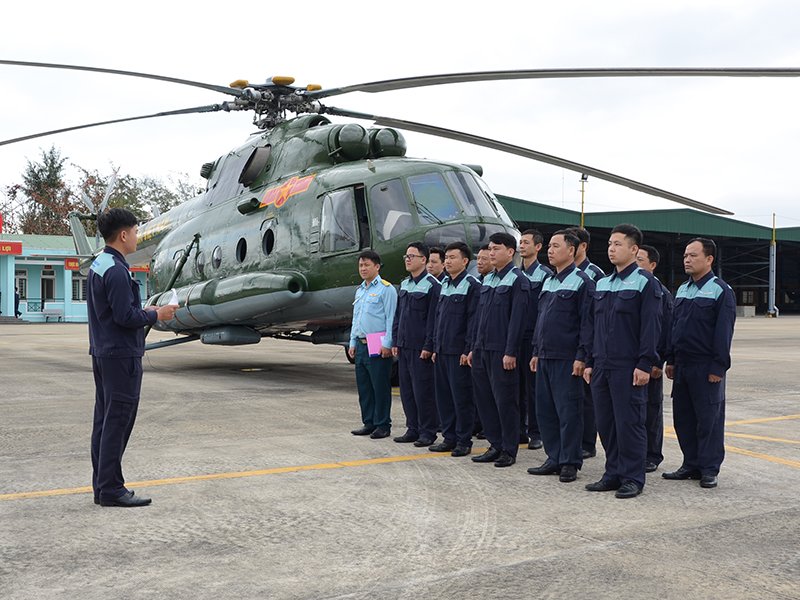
{"x":584,"y":179}
{"x":772,"y":310}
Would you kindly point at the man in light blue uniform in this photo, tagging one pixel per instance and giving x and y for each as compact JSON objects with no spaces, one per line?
{"x":373,"y":312}
{"x":698,"y":356}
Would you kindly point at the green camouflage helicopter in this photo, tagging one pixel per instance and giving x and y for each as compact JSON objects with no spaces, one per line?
{"x":270,"y":247}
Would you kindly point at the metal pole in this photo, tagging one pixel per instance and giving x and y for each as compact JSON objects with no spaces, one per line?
{"x":772,"y":310}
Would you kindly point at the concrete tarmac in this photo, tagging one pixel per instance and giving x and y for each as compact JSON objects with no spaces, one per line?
{"x":260,"y":491}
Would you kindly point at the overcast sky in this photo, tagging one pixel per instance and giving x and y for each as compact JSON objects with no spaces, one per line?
{"x":732,"y":143}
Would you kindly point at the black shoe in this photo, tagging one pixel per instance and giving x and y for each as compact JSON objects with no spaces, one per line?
{"x":96,"y":500}
{"x":602,"y":486}
{"x":504,"y":460}
{"x":535,"y":444}
{"x":650,"y":466}
{"x":363,"y":431}
{"x":423,"y":441}
{"x":406,"y":438}
{"x":379,"y":434}
{"x":523,"y":439}
{"x":628,"y":490}
{"x":568,"y":473}
{"x":480,"y":435}
{"x":683,"y":473}
{"x":708,"y":481}
{"x":589,"y":454}
{"x":461,"y":451}
{"x":491,"y":455}
{"x":545,"y":469}
{"x":128,"y":499}
{"x":443,"y":447}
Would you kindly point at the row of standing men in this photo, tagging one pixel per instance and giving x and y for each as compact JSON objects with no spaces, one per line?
{"x":550,"y":357}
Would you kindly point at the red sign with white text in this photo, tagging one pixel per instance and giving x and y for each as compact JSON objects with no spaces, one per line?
{"x":72,"y":264}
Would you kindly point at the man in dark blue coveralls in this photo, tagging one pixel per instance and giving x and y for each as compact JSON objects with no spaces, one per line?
{"x":530,"y":244}
{"x":412,"y":338}
{"x":647,"y":258}
{"x":373,"y":312}
{"x":455,"y":320}
{"x":698,"y":356}
{"x":116,"y":343}
{"x":559,"y":359}
{"x":502,"y":309}
{"x":621,"y":353}
{"x":589,"y":439}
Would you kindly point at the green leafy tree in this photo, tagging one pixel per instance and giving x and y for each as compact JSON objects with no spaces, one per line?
{"x":44,"y":199}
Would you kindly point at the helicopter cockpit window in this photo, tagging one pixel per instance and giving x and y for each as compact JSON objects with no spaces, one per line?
{"x":432,"y":199}
{"x":390,"y":209}
{"x":495,"y":202}
{"x":469,"y":195}
{"x":480,"y":232}
{"x":338,"y":225}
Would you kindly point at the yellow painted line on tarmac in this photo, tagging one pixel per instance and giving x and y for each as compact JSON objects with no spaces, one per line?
{"x":234,"y":475}
{"x":761,"y":437}
{"x":775,"y":459}
{"x":748,"y":421}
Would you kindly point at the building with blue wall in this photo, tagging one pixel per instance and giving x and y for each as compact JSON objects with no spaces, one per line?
{"x":45,"y":270}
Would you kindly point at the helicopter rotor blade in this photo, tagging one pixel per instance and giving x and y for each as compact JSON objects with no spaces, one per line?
{"x":527,"y":153}
{"x":208,"y":86}
{"x":88,"y":202}
{"x":184,"y":111}
{"x":109,"y":189}
{"x":428,"y":80}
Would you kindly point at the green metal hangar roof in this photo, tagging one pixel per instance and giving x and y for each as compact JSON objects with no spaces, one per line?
{"x":743,"y":248}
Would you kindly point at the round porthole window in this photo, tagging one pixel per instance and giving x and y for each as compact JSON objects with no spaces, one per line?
{"x":268,"y":242}
{"x":241,"y":250}
{"x":201,"y":262}
{"x":216,"y":257}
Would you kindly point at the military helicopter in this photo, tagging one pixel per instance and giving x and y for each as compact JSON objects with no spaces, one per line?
{"x":269,"y":248}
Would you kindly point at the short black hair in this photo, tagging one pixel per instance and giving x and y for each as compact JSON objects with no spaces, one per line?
{"x":570,"y":237}
{"x":484,"y":247}
{"x":631,"y":232}
{"x":422,"y":247}
{"x":652,"y":253}
{"x":462,"y":247}
{"x":538,"y":238}
{"x":584,"y":237}
{"x":438,"y":250}
{"x":709,"y":247}
{"x":114,"y":220}
{"x":370,"y":255}
{"x":506,"y":239}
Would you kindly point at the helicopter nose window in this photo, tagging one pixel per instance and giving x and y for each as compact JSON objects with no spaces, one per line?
{"x":480,"y":232}
{"x":469,"y":194}
{"x":216,"y":257}
{"x":432,"y":199}
{"x":390,"y":209}
{"x":338,"y":225}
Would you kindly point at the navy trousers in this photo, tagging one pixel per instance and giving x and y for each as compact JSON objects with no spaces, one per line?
{"x":374,"y":383}
{"x":497,"y":396}
{"x":417,"y":393}
{"x":698,"y":408}
{"x":118,"y":382}
{"x":654,"y":420}
{"x":528,"y":424}
{"x":589,"y":439}
{"x":454,"y":399}
{"x":620,"y":413}
{"x":559,"y":406}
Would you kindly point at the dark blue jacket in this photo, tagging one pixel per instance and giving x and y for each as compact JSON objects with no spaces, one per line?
{"x":502,"y":309}
{"x":415,"y":317}
{"x":114,"y":306}
{"x":592,"y":270}
{"x":626,"y":321}
{"x":536,"y":274}
{"x":563,"y":328}
{"x":702,"y":324}
{"x":455,"y":314}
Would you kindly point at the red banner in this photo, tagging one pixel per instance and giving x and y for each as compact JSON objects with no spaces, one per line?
{"x":72,"y":264}
{"x":11,"y":248}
